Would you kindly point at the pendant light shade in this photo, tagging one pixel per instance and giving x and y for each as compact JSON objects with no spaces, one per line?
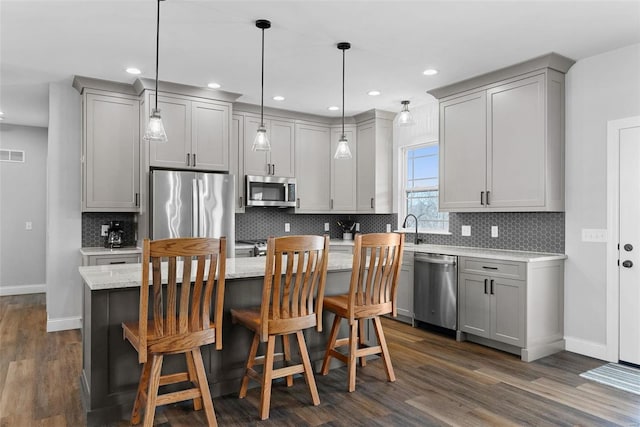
{"x":261,"y":141}
{"x":342,"y":150}
{"x":155,"y":129}
{"x":405,"y":118}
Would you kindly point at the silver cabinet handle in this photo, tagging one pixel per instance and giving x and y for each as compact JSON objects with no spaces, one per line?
{"x":492,"y":293}
{"x":331,"y":204}
{"x":188,"y":160}
{"x":194,"y":160}
{"x":273,"y":165}
{"x":488,"y":197}
{"x":298,"y":202}
{"x":240,"y":201}
{"x":482,"y":198}
{"x":486,"y":281}
{"x":137,"y":199}
{"x":372,"y":203}
{"x":489,"y":268}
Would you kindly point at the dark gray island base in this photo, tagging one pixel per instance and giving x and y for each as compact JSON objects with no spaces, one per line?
{"x":111,"y":371}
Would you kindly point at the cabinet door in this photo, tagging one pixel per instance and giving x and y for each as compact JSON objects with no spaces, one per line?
{"x":404,"y":297}
{"x":508,"y":310}
{"x":255,"y":162}
{"x":210,"y":136}
{"x":312,"y":157}
{"x":516,"y":146}
{"x":366,"y":164}
{"x":282,"y":155}
{"x":474,"y":304}
{"x":176,"y":117}
{"x":343,"y":173}
{"x":463,"y":148}
{"x":112,"y":149}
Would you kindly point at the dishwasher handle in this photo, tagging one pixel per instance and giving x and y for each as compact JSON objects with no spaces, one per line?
{"x":435,"y":259}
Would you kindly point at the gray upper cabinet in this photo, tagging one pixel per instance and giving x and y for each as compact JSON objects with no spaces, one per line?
{"x":110,"y":152}
{"x":313,"y":163}
{"x":343,"y":172}
{"x":502,"y":140}
{"x":197,"y":133}
{"x":280,"y":160}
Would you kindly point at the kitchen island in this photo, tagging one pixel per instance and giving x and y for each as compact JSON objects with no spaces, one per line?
{"x":110,"y":369}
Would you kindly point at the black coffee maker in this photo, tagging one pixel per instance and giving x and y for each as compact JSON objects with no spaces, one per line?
{"x":114,"y":235}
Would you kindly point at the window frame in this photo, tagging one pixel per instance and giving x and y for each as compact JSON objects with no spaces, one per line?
{"x":402,"y":208}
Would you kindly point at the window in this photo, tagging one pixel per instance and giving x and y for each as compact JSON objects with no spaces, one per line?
{"x":420,"y":188}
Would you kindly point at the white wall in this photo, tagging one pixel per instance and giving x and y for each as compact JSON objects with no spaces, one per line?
{"x":64,"y":225}
{"x":22,"y":199}
{"x":598,"y":89}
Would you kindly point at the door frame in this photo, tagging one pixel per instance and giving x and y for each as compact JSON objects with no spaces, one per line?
{"x":613,"y":230}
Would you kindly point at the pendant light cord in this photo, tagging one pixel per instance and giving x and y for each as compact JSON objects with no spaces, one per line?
{"x":262,"y":85}
{"x":157,"y":50}
{"x":343,"y":50}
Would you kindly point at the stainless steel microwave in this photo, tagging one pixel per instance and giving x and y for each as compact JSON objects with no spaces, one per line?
{"x":270,"y":191}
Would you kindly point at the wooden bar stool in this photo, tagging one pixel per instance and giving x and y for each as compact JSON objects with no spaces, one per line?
{"x":186,"y":324}
{"x":377,"y":259}
{"x":295,"y":267}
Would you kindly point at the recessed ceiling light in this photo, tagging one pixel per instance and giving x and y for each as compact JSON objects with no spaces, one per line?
{"x":333,"y":108}
{"x":1,"y":113}
{"x":133,"y":70}
{"x":373,"y":93}
{"x":213,"y":85}
{"x":278,"y":98}
{"x":430,"y":72}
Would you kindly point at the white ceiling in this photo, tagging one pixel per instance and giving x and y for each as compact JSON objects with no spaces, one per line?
{"x":212,"y":40}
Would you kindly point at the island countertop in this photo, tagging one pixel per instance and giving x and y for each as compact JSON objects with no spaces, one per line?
{"x":102,"y":277}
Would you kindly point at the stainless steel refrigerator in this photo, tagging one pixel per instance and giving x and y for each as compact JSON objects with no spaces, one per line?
{"x":193,"y":204}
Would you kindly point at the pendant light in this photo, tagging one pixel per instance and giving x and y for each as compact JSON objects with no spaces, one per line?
{"x":261,"y":141}
{"x":342,"y":150}
{"x":155,"y":129}
{"x":405,"y":118}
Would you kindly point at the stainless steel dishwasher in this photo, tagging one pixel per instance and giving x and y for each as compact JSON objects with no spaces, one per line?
{"x":435,"y":289}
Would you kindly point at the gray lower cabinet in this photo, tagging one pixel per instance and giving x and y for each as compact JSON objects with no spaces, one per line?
{"x":404,"y":296}
{"x":110,"y":152}
{"x":514,"y":306}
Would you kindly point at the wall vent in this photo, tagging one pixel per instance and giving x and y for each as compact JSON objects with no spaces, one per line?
{"x":14,"y":156}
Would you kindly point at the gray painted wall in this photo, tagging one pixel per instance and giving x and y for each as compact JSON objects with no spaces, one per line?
{"x":599,"y":88}
{"x":64,"y":286}
{"x":22,"y":198}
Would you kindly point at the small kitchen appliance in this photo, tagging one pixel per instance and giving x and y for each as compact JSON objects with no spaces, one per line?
{"x":114,"y":235}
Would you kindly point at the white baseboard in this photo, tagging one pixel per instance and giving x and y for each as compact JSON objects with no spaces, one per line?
{"x":22,"y":290}
{"x":64,"y":323}
{"x":586,"y":348}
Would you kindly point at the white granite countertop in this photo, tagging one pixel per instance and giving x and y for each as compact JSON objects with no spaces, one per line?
{"x":102,"y":277}
{"x":498,"y":254}
{"x":107,"y":251}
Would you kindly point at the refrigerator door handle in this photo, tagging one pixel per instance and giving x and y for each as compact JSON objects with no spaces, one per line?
{"x":201,"y":210}
{"x":195,"y":211}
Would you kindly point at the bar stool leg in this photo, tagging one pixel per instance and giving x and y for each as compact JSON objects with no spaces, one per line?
{"x":331,"y":344}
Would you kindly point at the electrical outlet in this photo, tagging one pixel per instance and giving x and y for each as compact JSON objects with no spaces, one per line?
{"x":357,"y":226}
{"x":494,"y":231}
{"x":388,"y":228}
{"x":287,"y":227}
{"x":594,"y":235}
{"x":104,"y":230}
{"x":28,"y":225}
{"x":466,"y":230}
{"x":326,"y":226}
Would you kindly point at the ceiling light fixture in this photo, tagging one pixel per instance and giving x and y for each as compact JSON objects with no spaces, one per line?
{"x":430,"y":72}
{"x":213,"y":85}
{"x":261,"y":141}
{"x":333,"y":108}
{"x":405,"y":118}
{"x":133,"y":70}
{"x":155,"y":129}
{"x":278,"y":98}
{"x":342,"y":150}
{"x":373,"y":93}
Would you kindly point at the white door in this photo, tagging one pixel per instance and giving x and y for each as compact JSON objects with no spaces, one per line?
{"x":629,"y":239}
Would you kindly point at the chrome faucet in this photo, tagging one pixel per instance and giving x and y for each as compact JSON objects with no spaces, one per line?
{"x":404,"y":225}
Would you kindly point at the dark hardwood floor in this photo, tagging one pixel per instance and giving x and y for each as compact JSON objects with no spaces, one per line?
{"x":439,"y":382}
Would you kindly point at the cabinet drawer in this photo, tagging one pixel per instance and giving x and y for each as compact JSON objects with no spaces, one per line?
{"x":507,"y":269}
{"x":110,"y":260}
